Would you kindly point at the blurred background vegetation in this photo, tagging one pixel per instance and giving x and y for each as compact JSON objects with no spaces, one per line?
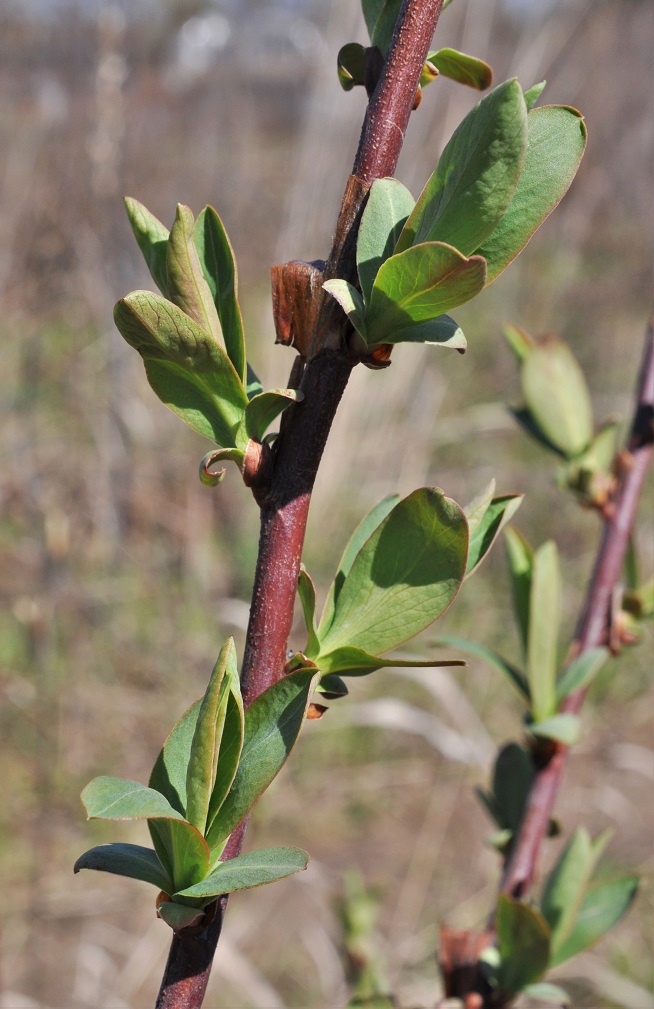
{"x":120,"y":575}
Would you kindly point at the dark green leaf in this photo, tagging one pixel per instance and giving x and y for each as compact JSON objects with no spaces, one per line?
{"x":524,"y":945}
{"x":557,"y":395}
{"x":486,"y":519}
{"x":557,"y":139}
{"x":602,"y":908}
{"x":388,"y":206}
{"x":476,"y":177}
{"x":219,"y":266}
{"x":513,"y":674}
{"x":351,"y":65}
{"x":187,"y":287}
{"x":272,"y":725}
{"x":306,"y":590}
{"x":418,"y":285}
{"x":180,"y":916}
{"x":533,"y":93}
{"x":462,"y":68}
{"x":152,"y":239}
{"x":381,"y":33}
{"x":521,"y":558}
{"x":246,"y":871}
{"x":404,"y":576}
{"x":543,"y":635}
{"x":262,"y":410}
{"x":580,"y":672}
{"x":169,"y":772}
{"x":254,"y":386}
{"x":513,"y":775}
{"x":186,"y":368}
{"x":332,"y":687}
{"x":127,"y":860}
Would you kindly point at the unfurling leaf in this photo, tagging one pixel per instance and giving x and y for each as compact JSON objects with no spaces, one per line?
{"x":351,"y":65}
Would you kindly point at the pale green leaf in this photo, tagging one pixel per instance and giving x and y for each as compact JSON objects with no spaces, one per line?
{"x":544,"y":991}
{"x":564,"y":728}
{"x":580,"y":672}
{"x":486,"y":526}
{"x":512,"y":673}
{"x":566,"y":887}
{"x":262,"y":410}
{"x":557,"y":396}
{"x":443,"y":331}
{"x":533,"y":93}
{"x":603,"y":906}
{"x":306,"y":590}
{"x":350,"y":301}
{"x":544,"y":620}
{"x":521,"y":558}
{"x":462,"y":68}
{"x":349,"y":661}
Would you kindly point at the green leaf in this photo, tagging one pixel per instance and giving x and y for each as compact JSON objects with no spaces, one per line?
{"x":566,"y":886}
{"x":246,"y":871}
{"x":533,"y":93}
{"x":350,"y":301}
{"x":404,"y":576}
{"x":544,"y":619}
{"x":182,"y":850}
{"x":179,"y":916}
{"x":512,"y":673}
{"x":231,"y":746}
{"x":418,"y":285}
{"x":108,"y":798}
{"x":306,"y":590}
{"x":130,"y":860}
{"x":253,"y":386}
{"x":363,"y":531}
{"x":513,"y":775}
{"x":262,"y":410}
{"x":564,"y":728}
{"x":272,"y":726}
{"x":351,"y":65}
{"x":207,"y":738}
{"x":580,"y":672}
{"x":388,"y":206}
{"x":520,"y":342}
{"x":442,"y":331}
{"x":349,"y":661}
{"x":219,"y":267}
{"x":152,"y":239}
{"x":521,"y":559}
{"x":476,"y":177}
{"x":557,"y":396}
{"x":544,"y":991}
{"x":187,"y":287}
{"x":210,"y":477}
{"x":486,"y":519}
{"x":186,"y":368}
{"x":170,"y":769}
{"x":602,"y":908}
{"x":381,"y":18}
{"x":332,"y":687}
{"x":557,"y":139}
{"x":524,"y":945}
{"x":462,"y":68}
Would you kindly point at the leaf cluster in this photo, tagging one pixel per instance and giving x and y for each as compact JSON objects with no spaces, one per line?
{"x":217,"y":761}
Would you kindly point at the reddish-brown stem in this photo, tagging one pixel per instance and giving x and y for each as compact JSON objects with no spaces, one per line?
{"x":285,"y":502}
{"x":593,"y":626}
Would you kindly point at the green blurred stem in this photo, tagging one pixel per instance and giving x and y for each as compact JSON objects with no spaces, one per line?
{"x":284,"y":502}
{"x":593,"y":628}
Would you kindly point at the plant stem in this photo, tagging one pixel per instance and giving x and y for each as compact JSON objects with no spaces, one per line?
{"x":285,"y":502}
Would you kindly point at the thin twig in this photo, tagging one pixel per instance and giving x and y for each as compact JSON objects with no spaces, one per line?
{"x":285,"y":502}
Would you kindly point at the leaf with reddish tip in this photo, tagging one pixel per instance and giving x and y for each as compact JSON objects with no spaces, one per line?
{"x":219,"y":266}
{"x":461,"y":68}
{"x":187,"y":287}
{"x":152,"y":239}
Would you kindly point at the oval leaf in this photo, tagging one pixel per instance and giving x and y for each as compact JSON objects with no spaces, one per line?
{"x":350,"y":301}
{"x":565,"y":728}
{"x":255,"y":868}
{"x":404,"y":577}
{"x":556,"y":143}
{"x":524,"y":945}
{"x":557,"y":395}
{"x":418,"y":285}
{"x":186,"y":368}
{"x":387,"y":208}
{"x":130,"y":860}
{"x":108,"y":798}
{"x":476,"y":177}
{"x":602,"y":908}
{"x":262,"y":410}
{"x":462,"y":68}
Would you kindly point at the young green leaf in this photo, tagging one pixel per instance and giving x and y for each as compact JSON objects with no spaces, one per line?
{"x":127,"y":860}
{"x":524,"y":944}
{"x":219,"y":267}
{"x":418,"y":285}
{"x":231,"y":746}
{"x":515,"y":677}
{"x":513,"y":775}
{"x":462,"y":68}
{"x":306,"y":590}
{"x":152,"y":239}
{"x":381,"y":17}
{"x":350,"y":301}
{"x":564,"y":728}
{"x":182,"y":850}
{"x":272,"y":726}
{"x":187,"y":286}
{"x":557,"y":396}
{"x":443,"y":331}
{"x":255,"y":868}
{"x":544,"y":991}
{"x":170,"y":769}
{"x":520,"y":342}
{"x":521,"y":559}
{"x":404,"y":576}
{"x":544,"y":619}
{"x":566,"y":886}
{"x":602,"y":907}
{"x":533,"y":93}
{"x":388,"y":206}
{"x":108,"y":798}
{"x":476,"y":177}
{"x":351,"y":65}
{"x":557,"y":140}
{"x":363,"y":531}
{"x":486,"y":519}
{"x":180,"y":916}
{"x":580,"y":672}
{"x":205,"y":748}
{"x":349,"y":661}
{"x":186,"y":368}
{"x":262,"y":410}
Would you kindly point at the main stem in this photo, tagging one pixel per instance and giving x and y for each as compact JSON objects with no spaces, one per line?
{"x":284,"y":503}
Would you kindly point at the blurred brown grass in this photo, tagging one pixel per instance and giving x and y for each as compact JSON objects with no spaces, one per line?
{"x":120,"y":575}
